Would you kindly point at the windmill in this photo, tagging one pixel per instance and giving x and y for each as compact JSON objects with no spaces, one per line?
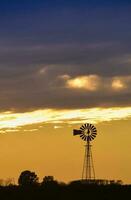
{"x":87,"y":132}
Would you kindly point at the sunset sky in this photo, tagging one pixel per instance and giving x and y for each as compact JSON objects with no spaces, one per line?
{"x":64,"y":63}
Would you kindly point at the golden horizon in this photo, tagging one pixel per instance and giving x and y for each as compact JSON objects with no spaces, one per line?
{"x":10,"y":120}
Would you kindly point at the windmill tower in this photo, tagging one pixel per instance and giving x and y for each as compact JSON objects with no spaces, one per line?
{"x":87,"y":132}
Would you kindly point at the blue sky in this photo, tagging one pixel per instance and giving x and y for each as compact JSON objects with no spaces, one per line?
{"x":75,"y":18}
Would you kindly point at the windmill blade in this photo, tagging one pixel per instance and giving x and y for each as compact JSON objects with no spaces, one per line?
{"x":76,"y":132}
{"x":86,"y":125}
{"x":81,"y":135}
{"x":90,"y":126}
{"x":94,"y":133}
{"x":83,"y":127}
{"x":85,"y":138}
{"x":93,"y":129}
{"x":88,"y":138}
{"x":92,"y":137}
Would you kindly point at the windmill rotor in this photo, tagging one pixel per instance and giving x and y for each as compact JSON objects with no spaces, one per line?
{"x":87,"y":132}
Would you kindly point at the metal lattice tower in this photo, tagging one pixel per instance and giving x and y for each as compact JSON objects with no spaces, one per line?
{"x":87,"y":133}
{"x":88,"y":171}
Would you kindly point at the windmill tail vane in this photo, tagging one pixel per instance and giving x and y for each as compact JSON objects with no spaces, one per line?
{"x":76,"y":132}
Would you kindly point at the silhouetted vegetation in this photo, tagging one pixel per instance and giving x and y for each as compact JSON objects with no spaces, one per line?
{"x":28,"y":178}
{"x":29,"y":188}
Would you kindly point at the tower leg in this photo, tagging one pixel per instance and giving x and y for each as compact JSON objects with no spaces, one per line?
{"x":88,"y":172}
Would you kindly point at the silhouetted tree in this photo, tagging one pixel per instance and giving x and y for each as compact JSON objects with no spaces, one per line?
{"x":28,"y":178}
{"x":49,"y":181}
{"x":51,"y":189}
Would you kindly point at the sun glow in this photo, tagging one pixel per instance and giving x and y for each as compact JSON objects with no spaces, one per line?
{"x":11,"y":121}
{"x":118,"y":85}
{"x":90,"y":82}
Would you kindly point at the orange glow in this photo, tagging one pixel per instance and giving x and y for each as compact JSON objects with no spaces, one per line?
{"x":118,"y":84}
{"x":121,"y":82}
{"x":90,"y":82}
{"x":10,"y":120}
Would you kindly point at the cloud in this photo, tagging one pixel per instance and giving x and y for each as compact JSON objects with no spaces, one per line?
{"x":121,"y":83}
{"x":77,"y":58}
{"x":42,"y":71}
{"x":56,"y":89}
{"x":13,"y":122}
{"x":117,"y":84}
{"x":57,"y":127}
{"x":90,"y":83}
{"x":95,"y":83}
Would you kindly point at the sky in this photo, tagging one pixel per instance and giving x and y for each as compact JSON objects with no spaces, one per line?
{"x":62,"y":64}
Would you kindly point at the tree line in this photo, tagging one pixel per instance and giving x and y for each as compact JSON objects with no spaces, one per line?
{"x":29,"y":188}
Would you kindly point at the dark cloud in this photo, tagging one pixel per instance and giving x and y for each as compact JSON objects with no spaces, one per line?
{"x":40,"y":46}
